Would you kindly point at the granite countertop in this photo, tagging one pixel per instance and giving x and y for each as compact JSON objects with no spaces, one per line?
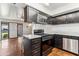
{"x":31,"y":36}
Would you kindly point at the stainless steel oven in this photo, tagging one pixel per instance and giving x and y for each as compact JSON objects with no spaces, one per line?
{"x":46,"y":41}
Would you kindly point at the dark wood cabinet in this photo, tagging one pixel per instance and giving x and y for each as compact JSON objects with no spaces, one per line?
{"x":57,"y":20}
{"x":61,"y":19}
{"x":47,"y":44}
{"x":70,"y":18}
{"x":58,"y":41}
{"x":36,"y":16}
{"x":76,"y":17}
{"x":32,"y":47}
{"x":30,"y":14}
{"x":51,"y":20}
{"x":42,"y":18}
{"x":64,"y":19}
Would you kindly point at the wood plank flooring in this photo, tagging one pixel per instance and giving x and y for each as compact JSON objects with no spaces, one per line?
{"x":59,"y":52}
{"x":13,"y":47}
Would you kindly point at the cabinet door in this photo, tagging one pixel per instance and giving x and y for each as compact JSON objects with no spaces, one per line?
{"x":30,"y":14}
{"x":71,"y":18}
{"x":57,"y":20}
{"x":51,"y":20}
{"x":41,"y":18}
{"x":76,"y":17}
{"x":58,"y":41}
{"x":61,"y":19}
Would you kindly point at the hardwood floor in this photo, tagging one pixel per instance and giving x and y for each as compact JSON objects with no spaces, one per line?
{"x":13,"y":47}
{"x":58,"y":52}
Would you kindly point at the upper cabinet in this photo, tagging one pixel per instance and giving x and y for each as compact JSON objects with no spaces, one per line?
{"x":61,"y":19}
{"x":33,"y":15}
{"x":73,"y":18}
{"x":42,"y":18}
{"x":36,"y":16}
{"x":51,"y":20}
{"x":57,"y":20}
{"x":30,"y":14}
{"x":64,"y":19}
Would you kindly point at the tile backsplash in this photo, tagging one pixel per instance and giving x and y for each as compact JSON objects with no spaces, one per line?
{"x":66,"y":29}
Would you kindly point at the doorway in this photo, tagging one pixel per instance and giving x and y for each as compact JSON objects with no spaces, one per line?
{"x":19,"y":30}
{"x":4,"y":30}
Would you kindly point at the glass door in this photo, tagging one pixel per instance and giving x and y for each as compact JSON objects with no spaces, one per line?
{"x":4,"y":31}
{"x":19,"y":30}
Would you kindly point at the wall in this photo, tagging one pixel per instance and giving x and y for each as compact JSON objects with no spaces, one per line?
{"x":0,"y":30}
{"x":65,"y":29}
{"x":12,"y":30}
{"x":27,"y":29}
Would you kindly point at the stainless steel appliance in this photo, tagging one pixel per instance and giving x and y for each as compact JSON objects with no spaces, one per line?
{"x":70,"y":45}
{"x":46,"y":41}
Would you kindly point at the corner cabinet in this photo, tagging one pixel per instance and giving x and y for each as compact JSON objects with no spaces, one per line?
{"x":58,"y":41}
{"x":67,"y":43}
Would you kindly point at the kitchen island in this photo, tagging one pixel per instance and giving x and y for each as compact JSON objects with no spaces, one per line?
{"x":32,"y":45}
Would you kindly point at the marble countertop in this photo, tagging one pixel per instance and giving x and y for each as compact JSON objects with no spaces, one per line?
{"x":31,"y":36}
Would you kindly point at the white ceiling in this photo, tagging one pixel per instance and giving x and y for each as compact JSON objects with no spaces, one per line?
{"x":19,"y":5}
{"x":53,"y":6}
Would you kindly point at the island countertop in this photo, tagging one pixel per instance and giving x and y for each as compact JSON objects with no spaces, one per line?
{"x":31,"y":36}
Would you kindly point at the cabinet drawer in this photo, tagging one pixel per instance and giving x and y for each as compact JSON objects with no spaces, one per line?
{"x":36,"y":46}
{"x":35,"y":51}
{"x":34,"y":41}
{"x":37,"y":54}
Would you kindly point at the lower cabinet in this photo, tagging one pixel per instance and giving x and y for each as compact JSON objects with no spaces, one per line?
{"x":68,"y":43}
{"x":32,"y":47}
{"x":47,"y":46}
{"x":58,"y":41}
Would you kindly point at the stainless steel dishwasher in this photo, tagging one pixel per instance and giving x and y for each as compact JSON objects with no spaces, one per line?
{"x":70,"y":45}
